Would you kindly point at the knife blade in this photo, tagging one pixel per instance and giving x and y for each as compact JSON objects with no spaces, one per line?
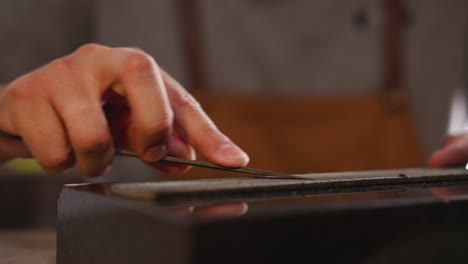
{"x":210,"y":165}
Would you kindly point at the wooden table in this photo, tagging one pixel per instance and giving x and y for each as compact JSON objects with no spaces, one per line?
{"x":27,"y":246}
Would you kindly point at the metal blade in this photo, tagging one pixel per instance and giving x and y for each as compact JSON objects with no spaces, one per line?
{"x":209,"y":165}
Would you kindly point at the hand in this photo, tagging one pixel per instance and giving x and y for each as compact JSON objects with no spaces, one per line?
{"x":454,"y":152}
{"x":78,"y":108}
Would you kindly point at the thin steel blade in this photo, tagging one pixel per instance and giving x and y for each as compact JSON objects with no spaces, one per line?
{"x":209,"y":165}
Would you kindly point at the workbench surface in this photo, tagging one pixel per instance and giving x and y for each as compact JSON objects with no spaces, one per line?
{"x":27,"y":246}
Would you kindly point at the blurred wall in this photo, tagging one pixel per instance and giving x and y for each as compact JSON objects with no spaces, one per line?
{"x":34,"y":32}
{"x":292,"y":47}
{"x":150,"y":25}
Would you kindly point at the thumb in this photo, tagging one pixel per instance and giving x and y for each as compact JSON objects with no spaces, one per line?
{"x":455,"y":152}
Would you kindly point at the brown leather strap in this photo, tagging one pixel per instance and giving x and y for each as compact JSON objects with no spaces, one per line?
{"x":190,"y":21}
{"x":394,"y":55}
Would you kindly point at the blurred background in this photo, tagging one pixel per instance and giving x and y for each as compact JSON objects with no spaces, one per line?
{"x":302,"y":86}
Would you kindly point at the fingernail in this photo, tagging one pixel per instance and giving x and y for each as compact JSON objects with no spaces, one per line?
{"x":229,"y":149}
{"x":154,"y":153}
{"x":232,"y":151}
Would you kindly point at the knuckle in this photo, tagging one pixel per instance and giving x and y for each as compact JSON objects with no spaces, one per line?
{"x":135,"y":49}
{"x":56,"y":160}
{"x":186,"y":101}
{"x":25,"y":88}
{"x":139,"y":61}
{"x":160,"y":127}
{"x":58,"y":69}
{"x":19,"y":90}
{"x":59,"y":65}
{"x":38,"y":83}
{"x":210,"y":130}
{"x":93,"y":142}
{"x":89,"y":48}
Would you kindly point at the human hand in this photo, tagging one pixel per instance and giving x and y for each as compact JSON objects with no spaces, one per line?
{"x":78,"y":108}
{"x":454,"y":152}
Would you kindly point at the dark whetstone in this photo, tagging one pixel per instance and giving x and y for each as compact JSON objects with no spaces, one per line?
{"x":390,"y":216}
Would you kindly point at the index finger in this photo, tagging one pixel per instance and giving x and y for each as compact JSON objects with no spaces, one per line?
{"x":199,"y":130}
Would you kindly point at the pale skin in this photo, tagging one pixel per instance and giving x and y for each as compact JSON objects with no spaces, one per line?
{"x":79,"y":108}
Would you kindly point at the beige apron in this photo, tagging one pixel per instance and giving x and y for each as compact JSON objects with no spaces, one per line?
{"x":315,"y":134}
